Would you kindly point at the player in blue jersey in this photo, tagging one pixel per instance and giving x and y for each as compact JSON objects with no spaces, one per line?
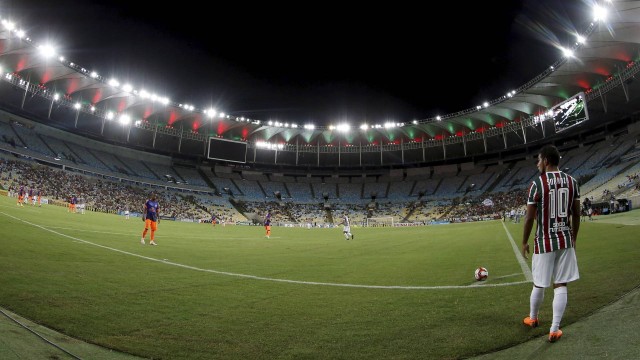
{"x":554,"y":201}
{"x":150,"y":218}
{"x":214,"y":220}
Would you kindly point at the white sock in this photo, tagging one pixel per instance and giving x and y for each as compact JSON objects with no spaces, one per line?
{"x":559,"y":304}
{"x":537,"y":295}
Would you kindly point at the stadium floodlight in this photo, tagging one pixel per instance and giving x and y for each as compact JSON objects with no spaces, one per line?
{"x":20,"y":34}
{"x":77,"y":106}
{"x":580,"y":39}
{"x":364,"y":127}
{"x":124,"y":119}
{"x":114,"y":83}
{"x":568,"y":53}
{"x":210,"y":112}
{"x":127,"y":87}
{"x":8,"y":25}
{"x":438,"y":118}
{"x":56,"y":96}
{"x":344,"y":127}
{"x":93,"y":74}
{"x":485,"y":104}
{"x":110,"y":115}
{"x":47,"y":51}
{"x":599,"y":13}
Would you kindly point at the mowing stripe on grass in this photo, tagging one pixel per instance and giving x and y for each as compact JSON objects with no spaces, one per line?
{"x":157,"y":236}
{"x":254,"y":277}
{"x":523,"y":263}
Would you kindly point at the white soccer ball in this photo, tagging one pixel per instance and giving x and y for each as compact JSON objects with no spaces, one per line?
{"x":481,"y":274}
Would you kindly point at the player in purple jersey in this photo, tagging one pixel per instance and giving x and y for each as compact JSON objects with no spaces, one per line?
{"x":267,"y":225}
{"x":554,"y":202}
{"x":150,"y":218}
{"x":20,"y":196}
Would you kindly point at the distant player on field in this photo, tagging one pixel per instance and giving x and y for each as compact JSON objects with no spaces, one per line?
{"x":267,"y":225}
{"x":20,"y":196}
{"x":150,"y":218}
{"x":346,"y":227}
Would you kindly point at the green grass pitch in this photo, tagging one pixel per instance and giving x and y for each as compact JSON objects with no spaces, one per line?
{"x":229,"y":293}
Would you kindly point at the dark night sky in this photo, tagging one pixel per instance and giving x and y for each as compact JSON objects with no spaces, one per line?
{"x":321,"y":62}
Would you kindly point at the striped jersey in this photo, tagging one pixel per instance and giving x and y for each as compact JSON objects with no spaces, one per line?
{"x":553,"y":193}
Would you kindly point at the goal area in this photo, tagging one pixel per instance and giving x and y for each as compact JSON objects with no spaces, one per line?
{"x":380,"y":221}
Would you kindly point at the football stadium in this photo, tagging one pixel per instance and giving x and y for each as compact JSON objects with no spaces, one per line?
{"x":430,"y":266}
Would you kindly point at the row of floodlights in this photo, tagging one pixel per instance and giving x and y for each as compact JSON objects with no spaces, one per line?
{"x":599,"y":14}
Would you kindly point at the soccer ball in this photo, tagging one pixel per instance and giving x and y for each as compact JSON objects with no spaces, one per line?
{"x":481,"y":274}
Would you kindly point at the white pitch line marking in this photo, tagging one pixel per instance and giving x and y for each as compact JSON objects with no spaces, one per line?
{"x":254,"y":277}
{"x":523,"y":263}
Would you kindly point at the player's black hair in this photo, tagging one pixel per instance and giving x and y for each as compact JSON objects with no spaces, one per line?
{"x":551,"y":153}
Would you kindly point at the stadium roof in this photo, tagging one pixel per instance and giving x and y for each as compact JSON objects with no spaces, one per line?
{"x":607,"y":60}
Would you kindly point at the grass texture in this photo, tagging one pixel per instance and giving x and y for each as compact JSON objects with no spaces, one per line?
{"x":229,"y":293}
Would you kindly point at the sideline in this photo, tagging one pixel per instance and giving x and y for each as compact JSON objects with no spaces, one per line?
{"x":521,"y":260}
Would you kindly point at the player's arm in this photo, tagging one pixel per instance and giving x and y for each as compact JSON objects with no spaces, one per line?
{"x":144,"y":212}
{"x":528,"y":226}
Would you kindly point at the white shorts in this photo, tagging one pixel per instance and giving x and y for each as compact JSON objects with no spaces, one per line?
{"x":346,"y":229}
{"x":561,"y":265}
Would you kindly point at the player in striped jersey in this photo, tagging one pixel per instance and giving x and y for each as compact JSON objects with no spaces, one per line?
{"x":554,"y":201}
